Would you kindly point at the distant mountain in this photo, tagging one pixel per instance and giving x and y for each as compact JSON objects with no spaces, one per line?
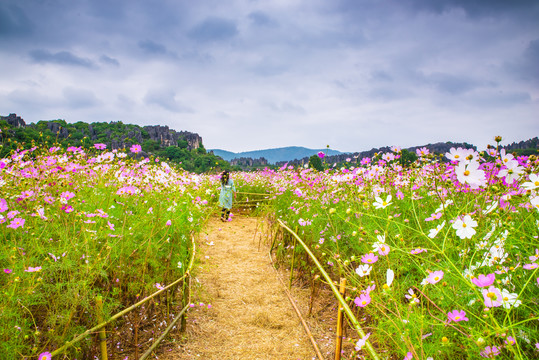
{"x":274,"y":155}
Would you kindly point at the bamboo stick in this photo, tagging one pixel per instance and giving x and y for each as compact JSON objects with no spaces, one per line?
{"x":292,"y":266}
{"x":102,"y":334}
{"x":338,"y":340}
{"x":129,"y":309}
{"x":164,"y":334}
{"x":339,"y":297}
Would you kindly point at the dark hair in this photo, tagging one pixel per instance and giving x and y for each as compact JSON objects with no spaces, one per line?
{"x":224,"y":177}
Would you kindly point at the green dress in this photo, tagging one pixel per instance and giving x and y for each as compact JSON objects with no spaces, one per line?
{"x":227,"y":191}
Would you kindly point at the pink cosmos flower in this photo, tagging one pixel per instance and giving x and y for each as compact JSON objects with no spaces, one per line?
{"x":369,"y":258}
{"x":484,"y":280}
{"x":490,"y":352}
{"x":136,"y":149}
{"x":68,"y":208}
{"x":67,"y":195}
{"x":321,"y":155}
{"x":492,"y":297}
{"x":44,"y":356}
{"x":3,"y":205}
{"x":363,"y":300}
{"x":435,"y":276}
{"x":383,"y":250}
{"x":159,"y":286}
{"x":530,"y":266}
{"x":168,"y":223}
{"x":100,"y":146}
{"x":422,"y":151}
{"x":457,"y":315}
{"x":409,"y":355}
{"x":8,"y":271}
{"x":16,"y":223}
{"x":417,"y":251}
{"x":111,"y":225}
{"x":510,"y":341}
{"x":33,"y":269}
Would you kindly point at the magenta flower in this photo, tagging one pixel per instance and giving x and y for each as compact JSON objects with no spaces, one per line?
{"x":363,"y":300}
{"x":67,"y":195}
{"x":530,"y":266}
{"x":492,"y":297}
{"x":16,"y":223}
{"x":369,"y":258}
{"x":490,"y":352}
{"x":484,"y":280}
{"x":321,"y":155}
{"x":136,"y":149}
{"x":510,"y":341}
{"x":457,"y":316}
{"x":68,"y":208}
{"x":100,"y":146}
{"x":3,"y":205}
{"x":435,"y":276}
{"x":44,"y":356}
{"x":168,"y":223}
{"x":8,"y":271}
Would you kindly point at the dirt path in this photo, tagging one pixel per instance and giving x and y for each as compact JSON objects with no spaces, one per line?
{"x":250,"y":316}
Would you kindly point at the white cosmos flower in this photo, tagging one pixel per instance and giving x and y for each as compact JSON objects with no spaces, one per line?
{"x":390,"y":275}
{"x":364,"y":270}
{"x":470,"y":174}
{"x":535,"y":202}
{"x":434,"y":232}
{"x":465,"y":227}
{"x":512,"y":171}
{"x":509,"y":299}
{"x":532,"y":184}
{"x":381,"y":204}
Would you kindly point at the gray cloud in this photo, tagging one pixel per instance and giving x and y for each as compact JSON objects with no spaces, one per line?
{"x":166,"y":99}
{"x":80,"y":98}
{"x":214,"y":29}
{"x":151,"y":47}
{"x":13,"y":21}
{"x":61,"y":58}
{"x":260,"y":18}
{"x":109,"y":61}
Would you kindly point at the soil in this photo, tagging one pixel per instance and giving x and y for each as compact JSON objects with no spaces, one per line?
{"x":245,"y":313}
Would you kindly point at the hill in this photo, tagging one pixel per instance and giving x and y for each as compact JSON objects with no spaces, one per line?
{"x":274,"y":155}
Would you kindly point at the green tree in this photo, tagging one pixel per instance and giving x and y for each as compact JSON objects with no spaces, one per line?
{"x":316,"y":163}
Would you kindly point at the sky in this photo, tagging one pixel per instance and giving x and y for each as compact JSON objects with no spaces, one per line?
{"x":252,"y":74}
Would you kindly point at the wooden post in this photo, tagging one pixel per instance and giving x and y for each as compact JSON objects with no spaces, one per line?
{"x":292,"y":266}
{"x":185,"y":300}
{"x":102,"y":334}
{"x":340,"y":316}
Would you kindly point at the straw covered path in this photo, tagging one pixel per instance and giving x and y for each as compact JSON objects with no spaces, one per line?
{"x":250,"y":315}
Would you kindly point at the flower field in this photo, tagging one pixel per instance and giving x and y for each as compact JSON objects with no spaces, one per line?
{"x":79,"y":224}
{"x":441,"y":255}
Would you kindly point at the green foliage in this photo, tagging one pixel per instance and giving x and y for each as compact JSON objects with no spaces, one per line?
{"x":316,"y":163}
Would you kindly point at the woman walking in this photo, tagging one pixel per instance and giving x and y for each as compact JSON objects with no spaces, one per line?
{"x":225,"y":198}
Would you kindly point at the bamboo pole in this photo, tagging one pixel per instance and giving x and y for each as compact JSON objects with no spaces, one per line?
{"x":339,"y":297}
{"x":292,"y":266}
{"x":164,"y":334}
{"x":338,"y":340}
{"x":78,"y":338}
{"x":102,"y":334}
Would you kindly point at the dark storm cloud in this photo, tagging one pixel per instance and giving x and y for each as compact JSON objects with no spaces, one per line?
{"x":530,"y":66}
{"x":13,"y":21}
{"x":61,"y":58}
{"x":213,"y":29}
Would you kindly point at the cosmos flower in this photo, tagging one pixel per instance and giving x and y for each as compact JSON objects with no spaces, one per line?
{"x":417,"y":251}
{"x":490,"y":352}
{"x":16,"y":223}
{"x":135,"y":149}
{"x":465,"y":227}
{"x":532,"y":184}
{"x":369,"y":258}
{"x":363,"y":300}
{"x":100,"y":146}
{"x":484,"y":280}
{"x":363,"y":270}
{"x":44,"y":356}
{"x":435,"y":277}
{"x":510,"y":300}
{"x":381,"y":204}
{"x":434,"y":232}
{"x":492,"y":297}
{"x":457,"y":315}
{"x":470,"y":174}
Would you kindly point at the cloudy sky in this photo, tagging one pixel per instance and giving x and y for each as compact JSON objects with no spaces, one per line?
{"x":258,"y":74}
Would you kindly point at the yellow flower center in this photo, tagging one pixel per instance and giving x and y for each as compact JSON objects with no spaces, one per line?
{"x":536,"y":183}
{"x":436,"y":278}
{"x":457,"y":317}
{"x":463,"y":225}
{"x":467,"y":172}
{"x":491,"y":295}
